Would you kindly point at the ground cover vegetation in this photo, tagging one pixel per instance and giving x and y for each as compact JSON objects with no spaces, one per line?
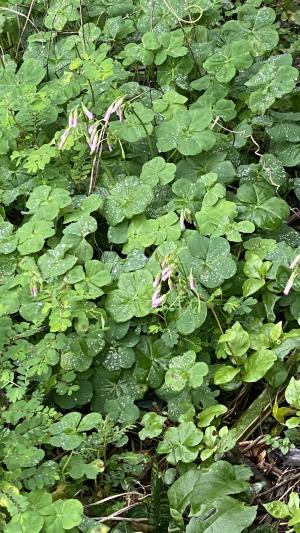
{"x":149,"y":266}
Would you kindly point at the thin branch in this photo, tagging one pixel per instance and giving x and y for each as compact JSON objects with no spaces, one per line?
{"x":114,"y":496}
{"x":19,"y":14}
{"x":124,"y":519}
{"x":124,"y":510}
{"x":25,"y":25}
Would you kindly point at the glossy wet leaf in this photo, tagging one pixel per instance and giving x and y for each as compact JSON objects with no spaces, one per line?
{"x":128,"y":198}
{"x":186,"y":132}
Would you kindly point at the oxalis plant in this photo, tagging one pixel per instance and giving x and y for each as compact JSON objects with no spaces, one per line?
{"x":149,"y":258}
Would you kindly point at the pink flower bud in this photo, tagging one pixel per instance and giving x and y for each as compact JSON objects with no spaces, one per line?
{"x":73,"y":118}
{"x":166,"y":273}
{"x":87,"y":113}
{"x":93,"y":142}
{"x":156,"y":302}
{"x":92,"y":129}
{"x":34,"y":292}
{"x":63,"y":138}
{"x":157,"y":280}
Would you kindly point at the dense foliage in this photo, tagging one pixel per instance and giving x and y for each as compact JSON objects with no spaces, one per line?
{"x":150,"y":260}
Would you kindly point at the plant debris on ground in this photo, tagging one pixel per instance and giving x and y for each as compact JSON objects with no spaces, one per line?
{"x":149,"y":266}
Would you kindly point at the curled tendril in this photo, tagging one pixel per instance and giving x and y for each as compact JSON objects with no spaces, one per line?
{"x":194,"y":21}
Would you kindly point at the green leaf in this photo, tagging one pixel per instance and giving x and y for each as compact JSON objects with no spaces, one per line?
{"x":137,"y":124}
{"x":191,"y":317}
{"x":228,"y":60}
{"x":141,"y":233}
{"x":259,"y":205}
{"x":209,"y":414}
{"x":157,"y":171}
{"x":225,"y":374}
{"x":277,"y":509}
{"x":273,"y":80}
{"x":153,"y":425}
{"x":31,"y":236}
{"x":45,"y":203}
{"x":292,"y":393}
{"x":8,"y":240}
{"x":214,"y":261}
{"x":96,"y":276}
{"x":55,"y":262}
{"x":199,"y":487}
{"x":257,"y":365}
{"x":128,"y":198}
{"x":181,"y":443}
{"x":186,"y":132}
{"x":31,"y":72}
{"x":133,"y":296}
{"x":230,"y":516}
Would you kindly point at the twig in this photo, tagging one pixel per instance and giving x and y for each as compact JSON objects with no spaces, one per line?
{"x":124,"y":519}
{"x":277,"y":485}
{"x":114,"y":496}
{"x":124,"y":510}
{"x":250,"y":444}
{"x":25,"y":25}
{"x":288,"y":490}
{"x":20,"y":14}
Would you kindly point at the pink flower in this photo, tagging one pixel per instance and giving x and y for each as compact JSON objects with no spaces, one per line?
{"x":93,"y":142}
{"x":92,"y":129}
{"x":166,"y":273}
{"x":158,"y":300}
{"x":63,"y":138}
{"x":115,"y":107}
{"x":87,"y":113}
{"x":73,"y":119}
{"x":157,"y":280}
{"x":34,"y":292}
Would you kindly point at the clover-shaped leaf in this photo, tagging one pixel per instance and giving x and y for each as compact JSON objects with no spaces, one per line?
{"x":141,"y":233}
{"x":257,"y":27}
{"x":56,"y":262}
{"x":214,"y":262}
{"x":44,"y":203}
{"x":157,"y":171}
{"x":96,"y":276}
{"x":153,"y":425}
{"x":137,"y":124}
{"x":119,"y":357}
{"x":187,"y":132}
{"x":230,"y":58}
{"x":260,"y":206}
{"x":273,"y":80}
{"x":68,"y":433}
{"x":185,"y":371}
{"x":127,"y":198}
{"x":133,"y":296}
{"x":181,"y":443}
{"x":63,"y":515}
{"x":31,"y":236}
